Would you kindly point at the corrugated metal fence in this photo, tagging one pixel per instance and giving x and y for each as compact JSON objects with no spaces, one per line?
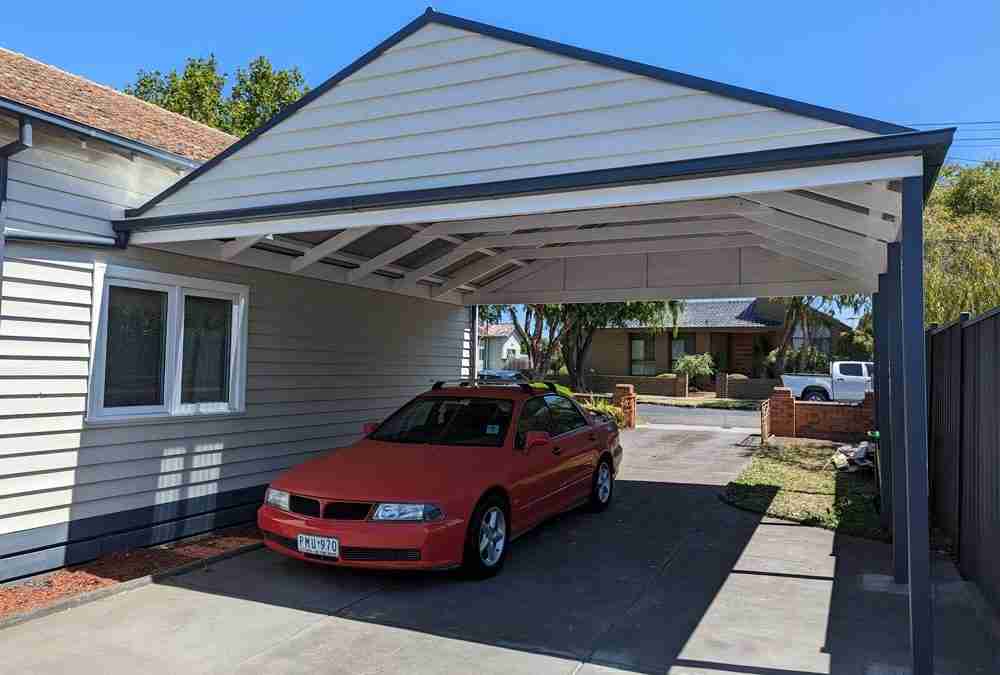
{"x":964,"y":427}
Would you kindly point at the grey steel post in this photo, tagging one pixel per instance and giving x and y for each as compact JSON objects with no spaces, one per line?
{"x":882,"y":408}
{"x":915,"y":393}
{"x":474,"y":360}
{"x":894,"y":356}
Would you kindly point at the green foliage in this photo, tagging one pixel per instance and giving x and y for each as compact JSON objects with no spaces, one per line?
{"x":560,"y":389}
{"x":600,"y":406}
{"x":962,"y":243}
{"x":855,"y":345}
{"x":695,"y":365}
{"x":804,"y":360}
{"x":198,"y":92}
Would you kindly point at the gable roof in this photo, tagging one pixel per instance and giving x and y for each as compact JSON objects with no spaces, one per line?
{"x":52,"y":90}
{"x":605,"y":60}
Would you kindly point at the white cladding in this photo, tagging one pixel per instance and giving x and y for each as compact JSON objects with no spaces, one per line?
{"x":449,"y":107}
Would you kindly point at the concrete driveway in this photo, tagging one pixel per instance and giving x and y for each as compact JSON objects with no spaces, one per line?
{"x":664,"y":414}
{"x":670,"y":579}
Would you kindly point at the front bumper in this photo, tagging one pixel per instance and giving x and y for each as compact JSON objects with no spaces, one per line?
{"x":413,"y":546}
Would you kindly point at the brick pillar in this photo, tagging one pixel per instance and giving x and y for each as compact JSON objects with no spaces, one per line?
{"x":681,"y":387}
{"x":782,"y":412}
{"x":722,"y":385}
{"x":624,"y":398}
{"x":868,"y":412}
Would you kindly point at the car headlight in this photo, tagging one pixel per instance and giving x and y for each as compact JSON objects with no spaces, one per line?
{"x":277,"y":499}
{"x":407,"y":512}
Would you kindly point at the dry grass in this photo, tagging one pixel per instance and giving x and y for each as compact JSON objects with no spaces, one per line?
{"x":799,"y":483}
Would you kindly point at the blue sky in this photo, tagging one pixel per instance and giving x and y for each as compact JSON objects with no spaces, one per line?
{"x":906,"y":61}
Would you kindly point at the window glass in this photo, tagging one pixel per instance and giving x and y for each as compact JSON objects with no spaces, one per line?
{"x":205,"y":369}
{"x":534,"y":417}
{"x":449,"y":421}
{"x":136,"y":347}
{"x":565,"y":416}
{"x":682,"y":345}
{"x":851,"y":369}
{"x":642,"y":355}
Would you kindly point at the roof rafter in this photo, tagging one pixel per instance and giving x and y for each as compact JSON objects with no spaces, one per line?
{"x":320,"y":251}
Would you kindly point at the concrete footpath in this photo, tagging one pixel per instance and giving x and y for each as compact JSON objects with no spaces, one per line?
{"x":669,"y":580}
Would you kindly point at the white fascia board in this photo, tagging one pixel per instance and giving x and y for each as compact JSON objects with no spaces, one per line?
{"x":596,"y":198}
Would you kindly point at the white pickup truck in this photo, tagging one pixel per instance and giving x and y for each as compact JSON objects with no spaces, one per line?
{"x":847,"y":381}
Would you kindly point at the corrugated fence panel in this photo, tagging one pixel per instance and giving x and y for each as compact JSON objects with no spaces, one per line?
{"x":323,"y":359}
{"x":965,"y":445}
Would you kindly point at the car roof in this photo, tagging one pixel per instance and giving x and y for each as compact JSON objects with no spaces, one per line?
{"x":512,"y":392}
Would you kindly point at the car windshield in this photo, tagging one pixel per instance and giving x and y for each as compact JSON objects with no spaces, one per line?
{"x":449,"y":421}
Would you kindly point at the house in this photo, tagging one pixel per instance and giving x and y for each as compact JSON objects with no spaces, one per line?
{"x":176,"y":330}
{"x":738,"y":333}
{"x":499,"y":348}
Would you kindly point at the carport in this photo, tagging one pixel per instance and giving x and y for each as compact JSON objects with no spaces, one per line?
{"x":471,"y":165}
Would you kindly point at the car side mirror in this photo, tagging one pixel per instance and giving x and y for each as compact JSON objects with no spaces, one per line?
{"x":534,"y":439}
{"x":370,"y":428}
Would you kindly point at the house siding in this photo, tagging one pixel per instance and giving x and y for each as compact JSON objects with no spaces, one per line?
{"x":450,"y":107}
{"x":320,"y":364}
{"x":59,"y":186}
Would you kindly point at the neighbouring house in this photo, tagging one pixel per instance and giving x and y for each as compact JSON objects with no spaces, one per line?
{"x":738,"y":333}
{"x":499,"y":348}
{"x":184,"y":315}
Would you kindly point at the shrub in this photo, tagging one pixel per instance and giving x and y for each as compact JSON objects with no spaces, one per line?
{"x":560,"y":389}
{"x":607,"y":409}
{"x":695,"y":365}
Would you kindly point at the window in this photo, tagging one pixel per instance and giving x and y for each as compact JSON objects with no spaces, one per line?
{"x":534,"y":417}
{"x":448,"y":421}
{"x":565,"y":415}
{"x":851,"y":369}
{"x":682,"y":345}
{"x":642,"y":355}
{"x":166,"y":345}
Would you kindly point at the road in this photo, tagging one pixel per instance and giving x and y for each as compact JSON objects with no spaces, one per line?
{"x":663,"y":414}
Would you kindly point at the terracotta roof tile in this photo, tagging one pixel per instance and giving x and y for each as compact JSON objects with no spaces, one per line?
{"x":32,"y":83}
{"x":496,"y":330}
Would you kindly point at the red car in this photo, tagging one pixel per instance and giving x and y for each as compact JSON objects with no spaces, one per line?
{"x":446,"y":481}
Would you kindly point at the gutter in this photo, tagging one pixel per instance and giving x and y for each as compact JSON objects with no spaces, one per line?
{"x":82,"y":129}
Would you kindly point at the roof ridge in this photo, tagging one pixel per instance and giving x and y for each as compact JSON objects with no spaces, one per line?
{"x":117,"y":92}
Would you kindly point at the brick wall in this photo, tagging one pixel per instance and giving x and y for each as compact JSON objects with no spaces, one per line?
{"x":740,"y":386}
{"x":827,"y":421}
{"x":741,"y":357}
{"x":666,"y":385}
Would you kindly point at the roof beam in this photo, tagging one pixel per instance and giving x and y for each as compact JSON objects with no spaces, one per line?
{"x":233,"y":248}
{"x":865,"y":225}
{"x":478,"y":269}
{"x":876,"y":197}
{"x":320,"y":251}
{"x":867,"y":259}
{"x":341,"y":256}
{"x":603,"y":234}
{"x":824,"y":234}
{"x":835,"y":267}
{"x":388,"y":256}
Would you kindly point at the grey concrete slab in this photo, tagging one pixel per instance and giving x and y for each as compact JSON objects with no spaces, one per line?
{"x":670,"y":579}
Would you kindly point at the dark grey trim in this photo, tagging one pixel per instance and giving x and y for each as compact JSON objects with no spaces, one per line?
{"x":929,"y":143}
{"x":44,"y":548}
{"x":606,"y":60}
{"x":914,"y":357}
{"x":894,"y":354}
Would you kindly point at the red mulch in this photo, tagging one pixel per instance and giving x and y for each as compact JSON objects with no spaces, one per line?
{"x":118,"y":567}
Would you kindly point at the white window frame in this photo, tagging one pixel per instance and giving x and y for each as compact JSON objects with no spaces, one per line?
{"x":177,"y":289}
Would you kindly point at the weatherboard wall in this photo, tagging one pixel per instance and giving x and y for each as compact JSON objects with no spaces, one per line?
{"x":323,"y":359}
{"x":66,"y":185}
{"x":448,"y":107}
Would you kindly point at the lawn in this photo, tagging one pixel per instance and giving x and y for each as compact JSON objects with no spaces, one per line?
{"x":798,"y":482}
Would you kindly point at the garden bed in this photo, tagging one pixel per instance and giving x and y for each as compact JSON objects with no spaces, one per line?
{"x":29,"y":595}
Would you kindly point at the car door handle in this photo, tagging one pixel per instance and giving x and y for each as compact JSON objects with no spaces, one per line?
{"x":557,"y":450}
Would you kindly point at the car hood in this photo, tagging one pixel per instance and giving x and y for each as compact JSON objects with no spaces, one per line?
{"x":377,"y":471}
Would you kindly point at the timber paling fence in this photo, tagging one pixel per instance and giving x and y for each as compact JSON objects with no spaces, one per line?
{"x":963,"y":368}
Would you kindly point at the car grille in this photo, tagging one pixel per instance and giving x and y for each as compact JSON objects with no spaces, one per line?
{"x":358,"y":554}
{"x":304,"y":506}
{"x":347,"y":510}
{"x":354,"y":553}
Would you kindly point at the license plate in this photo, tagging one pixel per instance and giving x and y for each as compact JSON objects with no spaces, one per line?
{"x":324,"y":546}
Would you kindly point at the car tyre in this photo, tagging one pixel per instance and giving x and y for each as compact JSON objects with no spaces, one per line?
{"x":816,"y":395}
{"x":488,"y":538}
{"x":602,"y":488}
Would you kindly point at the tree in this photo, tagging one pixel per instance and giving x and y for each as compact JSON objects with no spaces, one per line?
{"x":539,"y":333}
{"x":695,"y":365}
{"x":962,"y":243}
{"x":585,"y":319}
{"x":260,"y":92}
{"x":198,"y":92}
